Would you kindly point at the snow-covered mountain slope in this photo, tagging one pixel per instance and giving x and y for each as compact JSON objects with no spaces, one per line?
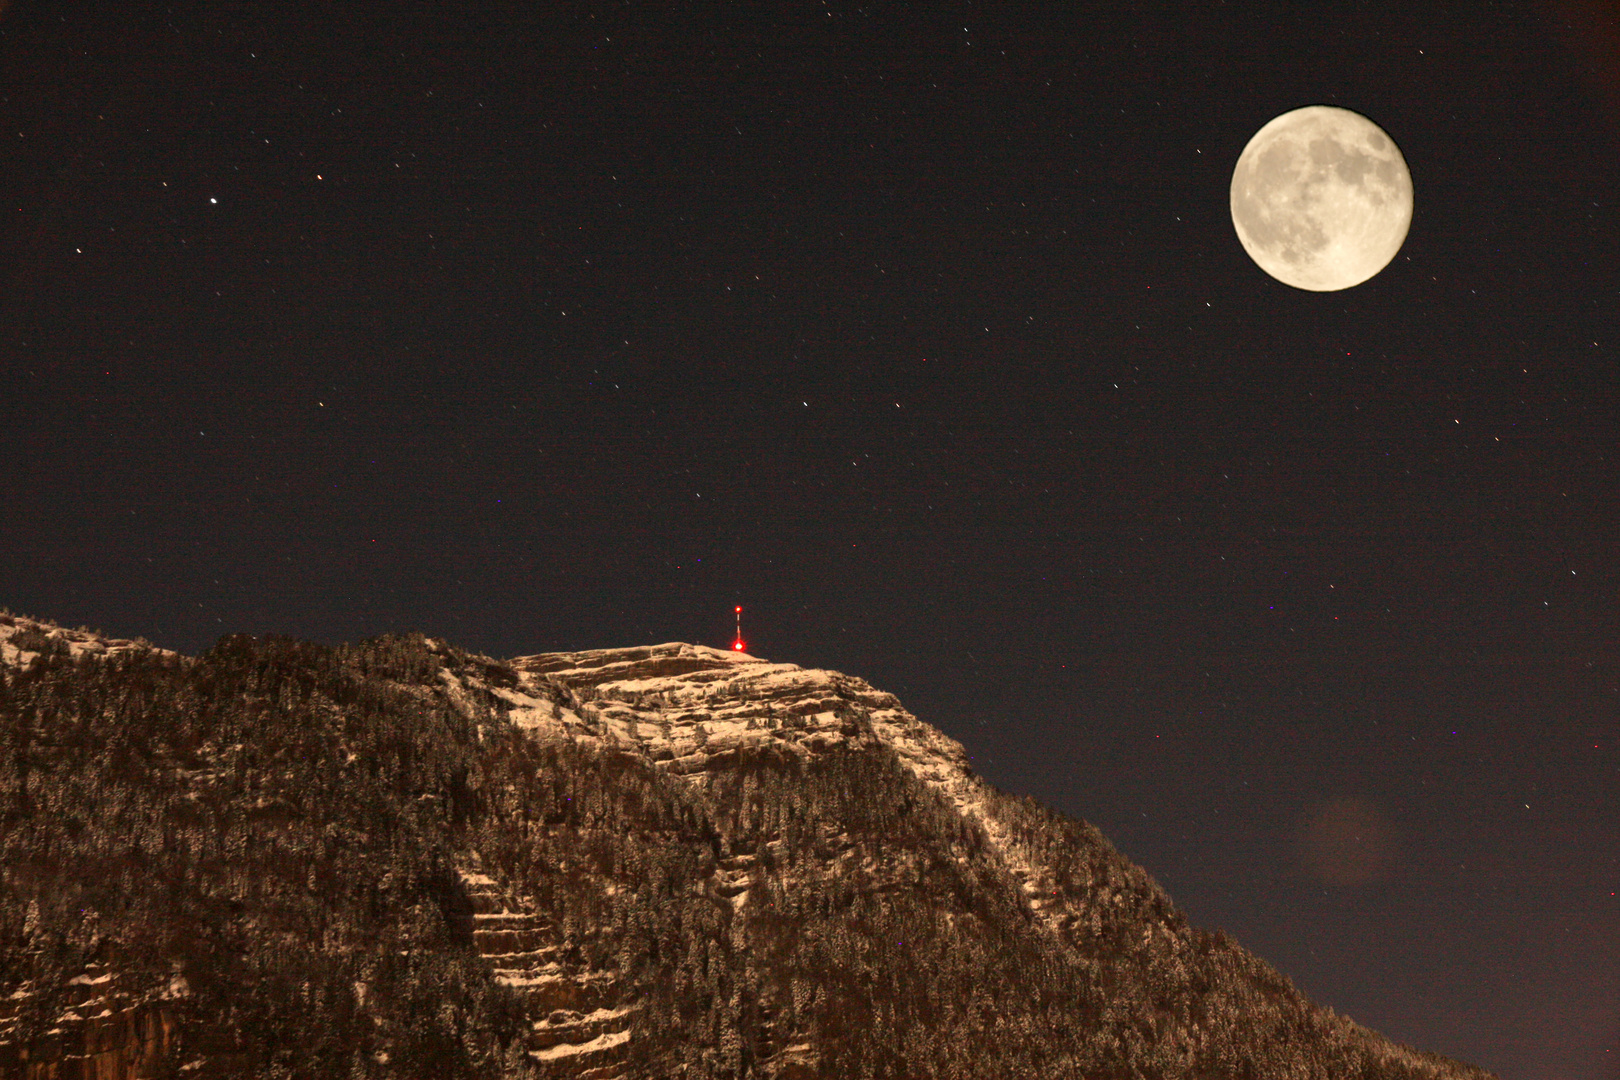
{"x":694,"y":710}
{"x":23,"y":640}
{"x":691,"y":707}
{"x":660,"y":861}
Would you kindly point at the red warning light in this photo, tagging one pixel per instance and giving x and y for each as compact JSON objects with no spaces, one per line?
{"x":738,"y":643}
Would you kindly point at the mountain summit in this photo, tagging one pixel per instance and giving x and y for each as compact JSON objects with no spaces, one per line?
{"x":399,"y":858}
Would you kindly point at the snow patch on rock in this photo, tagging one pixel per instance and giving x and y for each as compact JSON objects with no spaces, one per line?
{"x":23,"y":640}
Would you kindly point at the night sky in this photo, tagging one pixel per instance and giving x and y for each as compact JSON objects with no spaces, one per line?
{"x":921,"y":331}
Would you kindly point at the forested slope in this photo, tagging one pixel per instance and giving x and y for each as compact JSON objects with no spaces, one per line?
{"x":400,"y":859}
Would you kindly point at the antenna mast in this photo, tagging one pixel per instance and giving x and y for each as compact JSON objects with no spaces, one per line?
{"x":737,"y":644}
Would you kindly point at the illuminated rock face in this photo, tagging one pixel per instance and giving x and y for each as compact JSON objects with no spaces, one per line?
{"x":690,"y":708}
{"x":401,"y":859}
{"x":24,"y":640}
{"x":108,"y":1033}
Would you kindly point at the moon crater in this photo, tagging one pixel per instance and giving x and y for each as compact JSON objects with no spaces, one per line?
{"x":1321,"y":198}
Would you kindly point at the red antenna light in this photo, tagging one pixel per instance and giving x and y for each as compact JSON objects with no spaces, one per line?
{"x":738,"y":644}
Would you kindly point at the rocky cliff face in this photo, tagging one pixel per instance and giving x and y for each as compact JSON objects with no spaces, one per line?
{"x":24,"y":641}
{"x":105,"y":1030}
{"x":692,"y":709}
{"x":402,"y":859}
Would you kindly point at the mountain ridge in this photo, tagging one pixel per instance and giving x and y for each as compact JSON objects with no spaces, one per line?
{"x":657,"y":690}
{"x":608,"y":843}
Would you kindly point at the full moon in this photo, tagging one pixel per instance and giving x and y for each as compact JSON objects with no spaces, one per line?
{"x":1321,"y":198}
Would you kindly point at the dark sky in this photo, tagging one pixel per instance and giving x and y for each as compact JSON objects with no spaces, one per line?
{"x":922,"y":332}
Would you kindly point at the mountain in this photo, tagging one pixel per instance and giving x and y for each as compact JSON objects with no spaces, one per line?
{"x":400,"y":858}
